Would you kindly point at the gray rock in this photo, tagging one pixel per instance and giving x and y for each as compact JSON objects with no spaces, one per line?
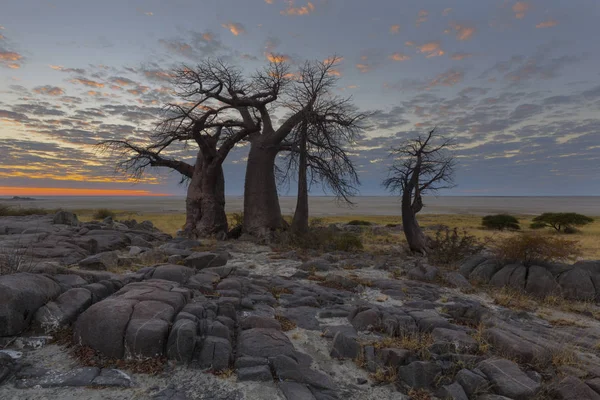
{"x":424,"y":272}
{"x":428,"y":320}
{"x":70,"y":280}
{"x":484,"y":272}
{"x":113,"y":378}
{"x":419,"y":374}
{"x":216,"y":353}
{"x":152,"y":309}
{"x":577,"y":284}
{"x":517,"y":279}
{"x":472,"y":383}
{"x":101,"y":261}
{"x":304,"y":317}
{"x":502,"y":277}
{"x":103,"y":325}
{"x":247,"y":362}
{"x":63,"y":311}
{"x":174,"y":273}
{"x":452,"y":392}
{"x":296,"y":391}
{"x":65,"y":218}
{"x":287,"y":369}
{"x":77,"y":377}
{"x":508,"y":379}
{"x":393,"y":357}
{"x":205,"y":260}
{"x":146,"y":337}
{"x":571,"y":388}
{"x":257,"y":373}
{"x":259,"y":342}
{"x":98,"y":291}
{"x":345,"y":346}
{"x":452,"y":341}
{"x":517,"y":345}
{"x":170,"y":393}
{"x":540,"y":282}
{"x":316,"y":265}
{"x":470,"y":263}
{"x":21,"y":295}
{"x":255,"y":321}
{"x":329,"y":332}
{"x":455,"y":279}
{"x":366,"y":320}
{"x":182,"y":341}
{"x":108,"y":240}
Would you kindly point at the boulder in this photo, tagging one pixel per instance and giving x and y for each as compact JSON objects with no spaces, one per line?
{"x":508,"y":379}
{"x":484,"y":272}
{"x":345,"y":346}
{"x":146,"y":337}
{"x":63,"y":311}
{"x":424,"y":272}
{"x":296,"y":391}
{"x":260,"y":342}
{"x":174,"y":273}
{"x":540,"y":282}
{"x":21,"y":295}
{"x":577,"y":284}
{"x":452,"y":341}
{"x":101,"y":261}
{"x":571,"y":388}
{"x":419,"y":374}
{"x":452,"y":392}
{"x":108,"y":240}
{"x":216,"y":353}
{"x":470,"y":263}
{"x":472,"y":383}
{"x":367,"y":319}
{"x":457,"y":280}
{"x":103,"y":326}
{"x":65,"y":218}
{"x":182,"y":341}
{"x":502,"y":277}
{"x":256,"y":373}
{"x":201,"y":260}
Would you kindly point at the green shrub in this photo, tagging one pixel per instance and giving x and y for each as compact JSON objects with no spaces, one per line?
{"x":561,"y":222}
{"x":103,"y":213}
{"x":529,"y":248}
{"x":11,"y":211}
{"x":500,"y":222}
{"x":450,"y":246}
{"x":359,"y":222}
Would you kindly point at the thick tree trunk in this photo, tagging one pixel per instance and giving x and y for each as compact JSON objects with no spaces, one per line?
{"x":205,"y":201}
{"x":300,"y":221}
{"x":417,"y":241}
{"x":262,"y":213}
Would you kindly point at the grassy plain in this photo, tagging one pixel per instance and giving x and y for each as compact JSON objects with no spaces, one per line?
{"x":588,"y":237}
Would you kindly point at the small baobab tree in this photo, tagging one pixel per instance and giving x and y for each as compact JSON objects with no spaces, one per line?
{"x":422,"y":165}
{"x":317,"y":153}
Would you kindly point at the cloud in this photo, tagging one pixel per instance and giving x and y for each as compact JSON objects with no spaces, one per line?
{"x":431,"y":49}
{"x":63,"y":69}
{"x":394,"y":29}
{"x":49,"y":90}
{"x":463,"y":31}
{"x":448,"y":78}
{"x":235,"y":27}
{"x":363,"y":68}
{"x":446,"y":12}
{"x":87,"y":82}
{"x":399,"y":57}
{"x":121,"y":81}
{"x":6,"y":115}
{"x":10,"y":59}
{"x":409,"y":43}
{"x":292,"y":10}
{"x":547,"y":24}
{"x":277,"y":58}
{"x":460,"y":56}
{"x":421,"y":17}
{"x":269,"y":1}
{"x":149,"y":13}
{"x":520,"y":8}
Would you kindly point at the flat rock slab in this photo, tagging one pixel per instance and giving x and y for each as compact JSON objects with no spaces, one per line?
{"x":259,"y":342}
{"x":508,"y":379}
{"x":76,"y":377}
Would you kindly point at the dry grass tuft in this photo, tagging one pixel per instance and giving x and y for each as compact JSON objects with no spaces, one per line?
{"x":286,"y":323}
{"x":483,"y":346}
{"x":419,"y":394}
{"x":385,"y":375}
{"x":513,"y":299}
{"x":278,"y":291}
{"x":91,"y":358}
{"x":419,"y":343}
{"x":224,"y":373}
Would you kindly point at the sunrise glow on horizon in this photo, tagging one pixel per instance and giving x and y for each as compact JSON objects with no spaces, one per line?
{"x":33,"y":191}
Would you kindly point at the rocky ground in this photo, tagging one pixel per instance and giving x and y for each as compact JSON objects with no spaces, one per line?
{"x":241,"y":321}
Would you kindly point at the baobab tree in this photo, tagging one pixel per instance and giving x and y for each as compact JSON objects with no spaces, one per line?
{"x":422,"y":165}
{"x":317,"y":154}
{"x":214,"y":115}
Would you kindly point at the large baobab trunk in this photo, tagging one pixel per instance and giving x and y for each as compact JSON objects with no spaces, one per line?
{"x":417,"y":241}
{"x":262,"y":213}
{"x":205,"y":201}
{"x":300,"y":221}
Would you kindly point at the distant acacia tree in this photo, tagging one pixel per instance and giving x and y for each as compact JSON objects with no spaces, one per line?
{"x":561,"y":222}
{"x":317,"y":153}
{"x":422,"y":165}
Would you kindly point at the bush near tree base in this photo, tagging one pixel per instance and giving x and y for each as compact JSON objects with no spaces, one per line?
{"x":529,"y":248}
{"x":500,"y":222}
{"x":103,"y":213}
{"x":561,"y":222}
{"x":450,"y":246}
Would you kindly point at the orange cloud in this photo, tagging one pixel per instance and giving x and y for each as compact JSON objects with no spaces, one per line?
{"x":520,"y":8}
{"x":235,"y":28}
{"x":13,"y":66}
{"x":1,"y":37}
{"x":269,"y":1}
{"x":207,"y":36}
{"x":399,"y":57}
{"x":409,"y":43}
{"x":547,"y":24}
{"x":335,"y":60}
{"x":277,"y":58}
{"x":334,"y":72}
{"x":304,"y":10}
{"x":460,"y":56}
{"x":463,"y":32}
{"x":149,"y":13}
{"x":446,"y":12}
{"x":94,"y":93}
{"x":10,"y":56}
{"x":431,"y":49}
{"x":49,"y":90}
{"x":421,"y":17}
{"x":448,"y":78}
{"x":87,"y":82}
{"x":363,"y":67}
{"x":37,"y":191}
{"x":394,"y":29}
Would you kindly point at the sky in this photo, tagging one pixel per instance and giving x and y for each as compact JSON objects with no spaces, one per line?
{"x":517,"y":84}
